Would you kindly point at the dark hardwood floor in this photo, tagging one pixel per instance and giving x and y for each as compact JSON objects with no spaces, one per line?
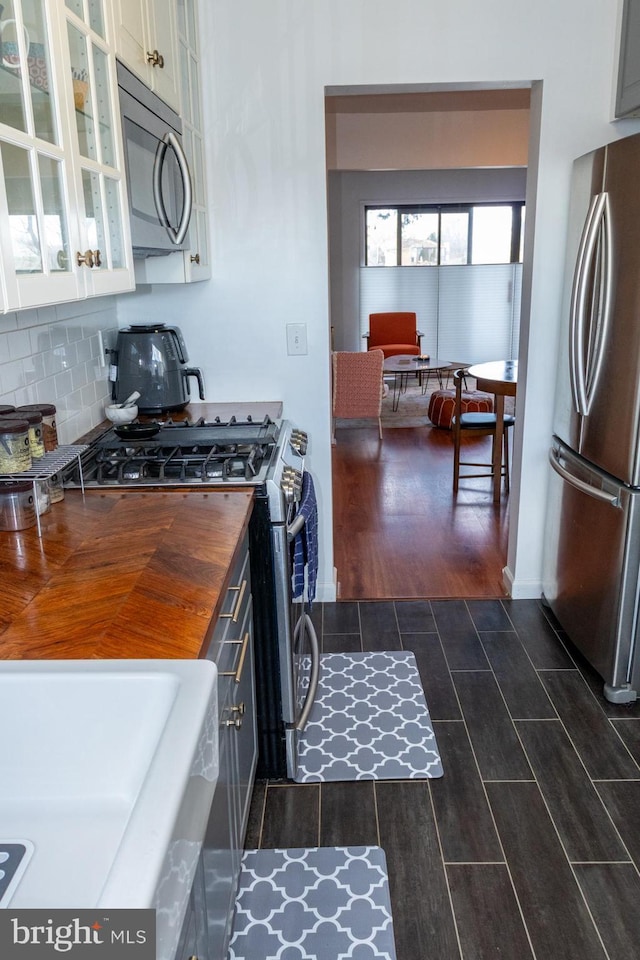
{"x":399,"y":531}
{"x":528,"y":848}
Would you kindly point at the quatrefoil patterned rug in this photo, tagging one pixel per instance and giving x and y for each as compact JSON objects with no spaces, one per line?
{"x":330,"y":903}
{"x":370,"y":721}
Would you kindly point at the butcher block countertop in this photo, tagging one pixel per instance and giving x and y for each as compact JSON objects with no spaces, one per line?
{"x":120,"y":575}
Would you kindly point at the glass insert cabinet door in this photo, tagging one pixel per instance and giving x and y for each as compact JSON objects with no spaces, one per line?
{"x":63,"y":229}
{"x":95,"y":118}
{"x":34,"y":234}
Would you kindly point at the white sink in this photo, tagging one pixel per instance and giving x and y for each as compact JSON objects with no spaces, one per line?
{"x":108,"y":769}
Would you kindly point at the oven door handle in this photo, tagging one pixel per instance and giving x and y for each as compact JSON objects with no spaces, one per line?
{"x":314,"y":676}
{"x":295,"y":527}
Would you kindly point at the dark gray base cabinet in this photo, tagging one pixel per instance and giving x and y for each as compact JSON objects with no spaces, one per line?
{"x":207,"y":925}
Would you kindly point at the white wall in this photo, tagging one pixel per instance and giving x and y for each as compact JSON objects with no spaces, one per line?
{"x":266,"y":69}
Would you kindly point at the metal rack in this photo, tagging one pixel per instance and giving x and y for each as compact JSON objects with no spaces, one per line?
{"x":47,"y":466}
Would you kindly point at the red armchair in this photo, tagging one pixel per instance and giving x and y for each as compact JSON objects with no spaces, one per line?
{"x":393,"y":333}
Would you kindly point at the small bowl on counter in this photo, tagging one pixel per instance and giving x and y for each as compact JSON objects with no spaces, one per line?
{"x":119,"y":414}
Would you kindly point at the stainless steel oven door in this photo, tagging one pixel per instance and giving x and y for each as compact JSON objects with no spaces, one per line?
{"x":298,"y":649}
{"x":306,"y":671}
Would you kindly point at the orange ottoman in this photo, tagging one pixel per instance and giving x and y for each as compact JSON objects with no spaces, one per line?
{"x":442,"y":405}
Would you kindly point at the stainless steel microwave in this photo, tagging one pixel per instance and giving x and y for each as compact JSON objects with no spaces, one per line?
{"x":158,"y":176}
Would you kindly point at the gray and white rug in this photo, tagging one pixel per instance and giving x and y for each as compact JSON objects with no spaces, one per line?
{"x":370,"y":721}
{"x":330,"y":903}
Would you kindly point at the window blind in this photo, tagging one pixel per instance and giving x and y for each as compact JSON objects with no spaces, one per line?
{"x":468,"y":314}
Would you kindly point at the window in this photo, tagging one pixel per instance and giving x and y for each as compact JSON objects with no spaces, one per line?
{"x":431,"y":235}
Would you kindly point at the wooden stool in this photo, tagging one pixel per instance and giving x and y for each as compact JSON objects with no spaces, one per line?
{"x":442,"y":405}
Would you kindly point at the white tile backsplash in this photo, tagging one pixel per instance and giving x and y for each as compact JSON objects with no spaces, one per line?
{"x":52,"y":355}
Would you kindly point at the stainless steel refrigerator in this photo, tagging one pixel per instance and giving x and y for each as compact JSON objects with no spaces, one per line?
{"x":592,"y":564}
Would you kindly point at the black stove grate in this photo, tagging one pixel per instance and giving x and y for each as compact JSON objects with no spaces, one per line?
{"x":184,"y":452}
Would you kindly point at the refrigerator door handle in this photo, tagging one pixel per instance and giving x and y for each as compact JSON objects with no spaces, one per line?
{"x":610,"y":498}
{"x":590,"y":303}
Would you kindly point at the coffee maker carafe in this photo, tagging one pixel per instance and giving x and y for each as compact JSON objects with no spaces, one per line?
{"x":152,"y":360}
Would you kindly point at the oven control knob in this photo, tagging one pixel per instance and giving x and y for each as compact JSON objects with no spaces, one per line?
{"x":291,"y":483}
{"x":296,"y":480}
{"x":299,"y":442}
{"x":286,"y":484}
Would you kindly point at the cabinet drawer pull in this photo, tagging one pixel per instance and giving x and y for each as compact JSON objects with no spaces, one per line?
{"x":243,"y":655}
{"x":195,"y":258}
{"x":237,"y":673}
{"x":235,"y":613}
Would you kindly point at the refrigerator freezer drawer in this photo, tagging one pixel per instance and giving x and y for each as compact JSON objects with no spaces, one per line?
{"x":592,"y":565}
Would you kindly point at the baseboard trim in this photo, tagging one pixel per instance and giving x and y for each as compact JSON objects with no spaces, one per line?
{"x":521,"y":589}
{"x":327,"y":591}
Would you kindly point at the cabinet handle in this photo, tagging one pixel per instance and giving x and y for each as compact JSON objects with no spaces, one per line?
{"x":85,"y":259}
{"x":237,"y":673}
{"x":239,"y":709}
{"x":97,"y":259}
{"x":195,"y":258}
{"x":235,"y":722}
{"x":155,"y":59}
{"x":235,"y":613}
{"x":243,"y":655}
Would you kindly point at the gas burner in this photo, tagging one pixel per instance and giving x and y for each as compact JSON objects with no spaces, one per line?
{"x":186,"y":452}
{"x":217,"y":422}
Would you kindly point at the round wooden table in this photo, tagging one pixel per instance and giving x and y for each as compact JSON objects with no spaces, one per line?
{"x":499,"y":377}
{"x":402,"y":364}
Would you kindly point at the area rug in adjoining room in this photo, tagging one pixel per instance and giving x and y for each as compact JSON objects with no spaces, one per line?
{"x":330,"y":903}
{"x":369,"y":721}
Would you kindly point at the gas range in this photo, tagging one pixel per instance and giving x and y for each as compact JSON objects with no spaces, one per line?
{"x":232,"y":453}
{"x":227,"y":452}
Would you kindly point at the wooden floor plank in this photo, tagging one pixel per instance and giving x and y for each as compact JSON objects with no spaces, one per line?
{"x":575,"y":807}
{"x":596,"y":741}
{"x":613,"y":893}
{"x":291,"y":816}
{"x":434,"y":674}
{"x":422,"y":919}
{"x":348,"y":814}
{"x":399,"y":532}
{"x":486,"y":911}
{"x":520,"y":684}
{"x":466,"y":829}
{"x":622,"y":800}
{"x":494,"y":739}
{"x":556,"y":916}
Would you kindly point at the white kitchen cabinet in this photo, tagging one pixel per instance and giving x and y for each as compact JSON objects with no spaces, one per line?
{"x":193,"y":264}
{"x":146,"y":41}
{"x":628,"y":91}
{"x":63,"y":221}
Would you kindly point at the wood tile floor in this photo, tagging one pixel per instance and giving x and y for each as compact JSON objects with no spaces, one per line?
{"x":529,"y":846}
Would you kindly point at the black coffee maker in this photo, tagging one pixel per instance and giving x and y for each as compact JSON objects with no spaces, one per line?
{"x":152,"y":360}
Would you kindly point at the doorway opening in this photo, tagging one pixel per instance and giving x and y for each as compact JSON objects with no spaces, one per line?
{"x":398,"y":529}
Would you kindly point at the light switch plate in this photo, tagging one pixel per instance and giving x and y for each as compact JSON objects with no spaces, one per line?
{"x":296,"y":339}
